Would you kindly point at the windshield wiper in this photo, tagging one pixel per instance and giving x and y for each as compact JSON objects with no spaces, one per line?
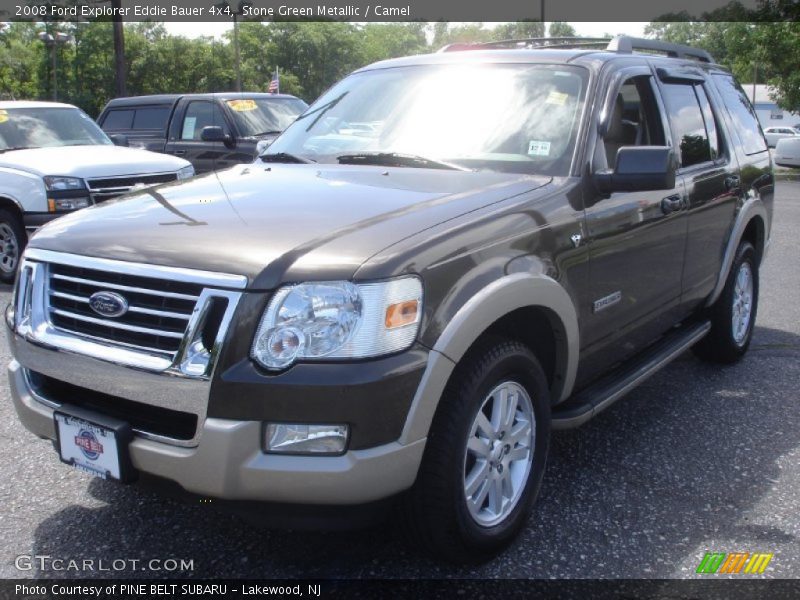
{"x":270,"y":132}
{"x":16,"y":148}
{"x":321,"y":109}
{"x":396,"y":159}
{"x":285,"y":157}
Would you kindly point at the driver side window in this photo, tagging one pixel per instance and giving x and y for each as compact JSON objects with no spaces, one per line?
{"x":634,"y":119}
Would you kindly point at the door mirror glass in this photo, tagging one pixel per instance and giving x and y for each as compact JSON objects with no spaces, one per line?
{"x":639,"y":169}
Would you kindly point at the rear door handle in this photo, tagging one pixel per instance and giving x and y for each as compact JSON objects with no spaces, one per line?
{"x":178,"y":152}
{"x":671,"y":204}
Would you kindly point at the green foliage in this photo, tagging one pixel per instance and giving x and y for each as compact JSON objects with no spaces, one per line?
{"x":313,"y":55}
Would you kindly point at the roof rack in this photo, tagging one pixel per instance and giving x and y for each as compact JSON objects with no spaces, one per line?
{"x":621,"y":43}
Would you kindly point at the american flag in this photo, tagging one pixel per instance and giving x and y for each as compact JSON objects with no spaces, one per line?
{"x":275,"y":84}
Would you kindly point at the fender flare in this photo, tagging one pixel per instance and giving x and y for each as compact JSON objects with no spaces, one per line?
{"x":752,"y":209}
{"x":501,"y":297}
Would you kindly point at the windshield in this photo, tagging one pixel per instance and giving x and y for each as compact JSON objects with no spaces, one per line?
{"x":47,"y":127}
{"x":519,"y":118}
{"x":258,"y":116}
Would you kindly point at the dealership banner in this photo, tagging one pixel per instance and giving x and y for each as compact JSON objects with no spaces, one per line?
{"x":387,"y":10}
{"x":708,"y":589}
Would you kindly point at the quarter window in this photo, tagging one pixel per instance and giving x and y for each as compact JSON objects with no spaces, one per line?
{"x":741,"y":111}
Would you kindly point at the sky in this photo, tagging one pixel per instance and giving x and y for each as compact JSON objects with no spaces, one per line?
{"x":583,"y":29}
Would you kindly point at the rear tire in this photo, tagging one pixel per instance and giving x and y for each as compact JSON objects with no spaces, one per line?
{"x":485,"y":455}
{"x":12,"y":243}
{"x":733,"y":315}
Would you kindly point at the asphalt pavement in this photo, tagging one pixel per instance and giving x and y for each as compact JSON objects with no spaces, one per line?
{"x":699,"y":459}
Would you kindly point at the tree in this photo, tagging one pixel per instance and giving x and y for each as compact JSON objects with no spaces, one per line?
{"x":561,"y":29}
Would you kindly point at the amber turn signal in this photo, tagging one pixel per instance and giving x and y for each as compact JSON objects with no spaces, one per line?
{"x":402,"y":313}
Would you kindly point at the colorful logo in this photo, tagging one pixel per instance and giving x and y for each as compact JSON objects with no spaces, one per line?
{"x":88,"y":444}
{"x":734,"y":563}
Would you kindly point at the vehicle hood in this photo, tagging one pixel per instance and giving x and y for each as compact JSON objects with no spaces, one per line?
{"x":90,"y":161}
{"x":278,"y":223}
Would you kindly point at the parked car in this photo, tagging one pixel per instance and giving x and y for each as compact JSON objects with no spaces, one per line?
{"x":773,"y":134}
{"x":212,"y":131}
{"x":787,"y":152}
{"x":405,"y":310}
{"x":53,"y":160}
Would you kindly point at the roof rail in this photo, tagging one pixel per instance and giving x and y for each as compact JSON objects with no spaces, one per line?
{"x":549,"y":42}
{"x":621,"y":43}
{"x":624,"y":43}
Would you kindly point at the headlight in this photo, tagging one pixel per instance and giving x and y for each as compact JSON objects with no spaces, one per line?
{"x":338,"y":319}
{"x":186,"y":172}
{"x":53,"y":183}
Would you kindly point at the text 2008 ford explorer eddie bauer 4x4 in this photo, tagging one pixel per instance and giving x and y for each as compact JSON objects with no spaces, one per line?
{"x":418,"y":281}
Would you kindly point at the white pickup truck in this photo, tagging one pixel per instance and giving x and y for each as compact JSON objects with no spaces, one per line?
{"x":54,"y":159}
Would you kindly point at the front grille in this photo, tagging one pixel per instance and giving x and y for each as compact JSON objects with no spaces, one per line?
{"x":111,"y":187}
{"x":155,"y":322}
{"x":142,"y":417}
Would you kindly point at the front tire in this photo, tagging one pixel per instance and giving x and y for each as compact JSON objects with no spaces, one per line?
{"x":485,"y":455}
{"x":733,"y":315}
{"x":12,"y":243}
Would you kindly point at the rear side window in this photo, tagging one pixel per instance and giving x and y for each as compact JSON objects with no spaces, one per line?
{"x":711,"y":123}
{"x":118,"y":119}
{"x":151,"y":117}
{"x":688,"y":125}
{"x":742,"y":113}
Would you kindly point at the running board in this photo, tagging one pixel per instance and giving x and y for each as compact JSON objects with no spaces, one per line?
{"x":599,"y":396}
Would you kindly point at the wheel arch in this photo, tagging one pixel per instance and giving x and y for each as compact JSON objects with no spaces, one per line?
{"x":533,"y":309}
{"x":750,"y":225}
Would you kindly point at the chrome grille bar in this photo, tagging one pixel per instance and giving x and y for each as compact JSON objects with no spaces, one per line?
{"x":115,"y":286}
{"x":133,"y":309}
{"x":116,"y":324}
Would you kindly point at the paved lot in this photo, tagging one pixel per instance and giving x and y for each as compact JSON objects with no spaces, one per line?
{"x":700,"y":458}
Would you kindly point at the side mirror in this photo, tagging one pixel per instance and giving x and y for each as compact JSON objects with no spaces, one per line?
{"x":119,"y":139}
{"x":639,"y":169}
{"x":215,"y":133}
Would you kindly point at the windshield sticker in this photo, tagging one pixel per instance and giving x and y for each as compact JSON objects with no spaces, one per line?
{"x":538,"y":148}
{"x":3,"y":116}
{"x":242,"y":105}
{"x":557,"y":98}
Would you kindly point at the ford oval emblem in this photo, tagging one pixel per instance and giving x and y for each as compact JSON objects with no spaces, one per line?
{"x":108,"y":304}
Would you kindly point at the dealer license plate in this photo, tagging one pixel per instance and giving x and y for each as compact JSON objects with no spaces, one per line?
{"x":88,"y":446}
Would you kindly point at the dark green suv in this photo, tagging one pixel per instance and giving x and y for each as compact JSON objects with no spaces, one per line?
{"x":441,"y":260}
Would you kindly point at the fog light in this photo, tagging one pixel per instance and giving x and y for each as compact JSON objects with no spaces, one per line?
{"x":298,"y":438}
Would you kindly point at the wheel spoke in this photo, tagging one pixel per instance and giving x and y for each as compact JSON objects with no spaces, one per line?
{"x":496,"y":496}
{"x":499,"y":405}
{"x":520,"y":431}
{"x":518,"y":453}
{"x":483,"y":425}
{"x":479,"y":474}
{"x":478,"y":499}
{"x":478,"y":447}
{"x":511,"y":410}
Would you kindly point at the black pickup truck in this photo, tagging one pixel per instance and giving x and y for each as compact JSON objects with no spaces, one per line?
{"x":212,"y":131}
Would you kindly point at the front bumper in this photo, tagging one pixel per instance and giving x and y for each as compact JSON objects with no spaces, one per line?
{"x":228,"y":462}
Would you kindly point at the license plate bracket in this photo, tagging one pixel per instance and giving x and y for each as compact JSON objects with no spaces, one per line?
{"x":94,"y":443}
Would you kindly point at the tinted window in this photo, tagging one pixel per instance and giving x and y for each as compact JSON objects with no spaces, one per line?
{"x":118,"y":119}
{"x":741,"y":111}
{"x":259,"y":116}
{"x":151,"y":117}
{"x":711,"y":122}
{"x":198,"y":115}
{"x":687,"y":123}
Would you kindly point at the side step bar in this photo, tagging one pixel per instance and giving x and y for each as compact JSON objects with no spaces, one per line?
{"x":599,"y":396}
